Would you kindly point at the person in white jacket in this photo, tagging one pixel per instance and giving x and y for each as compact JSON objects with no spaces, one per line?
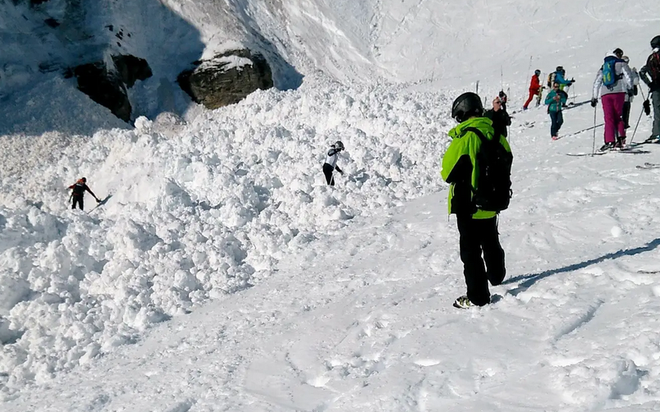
{"x":330,"y":164}
{"x":613,"y":95}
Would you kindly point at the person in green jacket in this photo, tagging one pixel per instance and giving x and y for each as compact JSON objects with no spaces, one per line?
{"x":555,"y":100}
{"x":477,"y":228}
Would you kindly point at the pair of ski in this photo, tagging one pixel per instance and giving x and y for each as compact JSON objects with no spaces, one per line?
{"x":635,"y":144}
{"x":580,"y":131}
{"x":627,"y":149}
{"x":100,"y":203}
{"x":648,"y":165}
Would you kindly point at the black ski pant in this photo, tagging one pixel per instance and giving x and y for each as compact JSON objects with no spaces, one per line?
{"x":327,"y":171}
{"x":557,"y":119}
{"x":626,"y":114}
{"x":479,"y":236}
{"x":79,"y":200}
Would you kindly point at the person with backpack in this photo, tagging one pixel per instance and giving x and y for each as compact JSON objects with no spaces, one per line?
{"x":556,"y":99}
{"x":534,"y":88}
{"x":477,"y":165}
{"x":500,"y":118}
{"x":330,"y":164}
{"x":78,"y":190}
{"x":611,"y":84}
{"x":559,"y":76}
{"x":551,"y":78}
{"x":650,"y":74}
{"x":630,"y":94}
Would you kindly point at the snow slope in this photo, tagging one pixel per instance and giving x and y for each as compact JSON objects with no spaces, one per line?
{"x":223,"y":274}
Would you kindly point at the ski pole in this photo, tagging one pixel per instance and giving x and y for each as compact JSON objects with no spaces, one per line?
{"x":593,"y":150}
{"x":573,"y":90}
{"x":639,"y":118}
{"x":636,"y":124}
{"x":529,"y":68}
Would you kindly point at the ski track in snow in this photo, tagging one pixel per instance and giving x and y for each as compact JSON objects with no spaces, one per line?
{"x":595,"y":9}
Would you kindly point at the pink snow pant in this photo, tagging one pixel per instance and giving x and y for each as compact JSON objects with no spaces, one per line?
{"x":612,"y":112}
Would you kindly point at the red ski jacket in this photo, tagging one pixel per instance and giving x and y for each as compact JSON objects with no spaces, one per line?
{"x":534,"y":85}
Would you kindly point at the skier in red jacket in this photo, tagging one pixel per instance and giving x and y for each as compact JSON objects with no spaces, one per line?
{"x":534,"y":88}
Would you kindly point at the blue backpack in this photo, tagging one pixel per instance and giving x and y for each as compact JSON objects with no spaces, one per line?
{"x":609,"y":73}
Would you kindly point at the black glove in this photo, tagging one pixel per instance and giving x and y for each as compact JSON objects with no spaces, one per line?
{"x":647,"y":107}
{"x":631,"y":92}
{"x":635,"y":90}
{"x":594,"y":102}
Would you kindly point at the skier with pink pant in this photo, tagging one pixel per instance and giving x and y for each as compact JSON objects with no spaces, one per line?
{"x":612,"y":82}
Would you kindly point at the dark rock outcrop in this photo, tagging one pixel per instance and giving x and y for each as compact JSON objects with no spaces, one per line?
{"x":227,"y":78}
{"x":131,"y":68}
{"x":51,"y":22}
{"x":107,"y":87}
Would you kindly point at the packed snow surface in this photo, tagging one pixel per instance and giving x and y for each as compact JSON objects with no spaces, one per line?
{"x":222,"y":274}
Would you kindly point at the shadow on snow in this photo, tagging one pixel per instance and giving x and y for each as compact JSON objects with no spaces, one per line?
{"x":526,"y":281}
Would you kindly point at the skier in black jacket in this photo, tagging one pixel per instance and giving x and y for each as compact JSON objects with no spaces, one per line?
{"x":499,"y":117}
{"x":78,"y":191}
{"x":650,"y":74}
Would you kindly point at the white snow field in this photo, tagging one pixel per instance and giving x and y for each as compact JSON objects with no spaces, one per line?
{"x":223,"y":274}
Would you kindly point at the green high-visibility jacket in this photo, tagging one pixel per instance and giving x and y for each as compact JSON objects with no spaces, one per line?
{"x":459,"y":167}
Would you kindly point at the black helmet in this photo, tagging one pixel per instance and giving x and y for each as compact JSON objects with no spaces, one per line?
{"x":84,"y":179}
{"x":339,"y":145}
{"x":560,"y":68}
{"x":618,"y":52}
{"x":655,"y":42}
{"x":465,"y":106}
{"x":537,"y":72}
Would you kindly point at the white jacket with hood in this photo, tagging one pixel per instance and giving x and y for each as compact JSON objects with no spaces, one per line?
{"x":623,"y":83}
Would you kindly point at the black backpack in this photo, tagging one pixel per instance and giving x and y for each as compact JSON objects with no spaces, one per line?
{"x":78,"y":189}
{"x":493,"y":191}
